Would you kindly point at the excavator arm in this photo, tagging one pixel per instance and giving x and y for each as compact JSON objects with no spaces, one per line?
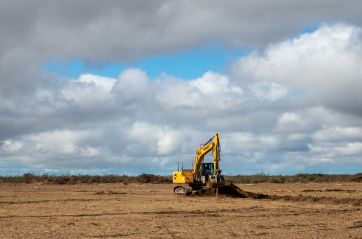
{"x":216,"y":153}
{"x":212,"y":144}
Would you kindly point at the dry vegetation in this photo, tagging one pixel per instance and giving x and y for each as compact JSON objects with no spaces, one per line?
{"x":140,"y":210}
{"x":149,"y":178}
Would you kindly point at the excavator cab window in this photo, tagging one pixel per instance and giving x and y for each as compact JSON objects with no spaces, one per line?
{"x":207,"y":169}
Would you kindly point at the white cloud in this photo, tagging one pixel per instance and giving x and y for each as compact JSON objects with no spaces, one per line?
{"x":338,"y":134}
{"x":155,"y":139}
{"x":89,"y":91}
{"x":58,"y":142}
{"x":268,"y":91}
{"x":131,"y":84}
{"x":243,"y":141}
{"x":214,"y":83}
{"x":354,"y":148}
{"x":210,"y":91}
{"x":10,"y":146}
{"x":293,"y":122}
{"x":100,"y":82}
{"x":325,"y":64}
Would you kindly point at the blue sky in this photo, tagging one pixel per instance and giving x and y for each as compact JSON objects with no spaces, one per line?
{"x":185,"y":64}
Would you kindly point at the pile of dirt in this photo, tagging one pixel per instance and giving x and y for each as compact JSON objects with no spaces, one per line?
{"x":232,"y":190}
{"x":357,"y":179}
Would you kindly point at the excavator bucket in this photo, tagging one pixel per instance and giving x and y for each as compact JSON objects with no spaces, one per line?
{"x":216,"y":181}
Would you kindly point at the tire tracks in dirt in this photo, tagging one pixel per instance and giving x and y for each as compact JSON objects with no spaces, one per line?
{"x":200,"y":213}
{"x":58,"y":200}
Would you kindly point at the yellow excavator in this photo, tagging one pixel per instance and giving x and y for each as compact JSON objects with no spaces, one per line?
{"x":203,"y":177}
{"x":206,"y":178}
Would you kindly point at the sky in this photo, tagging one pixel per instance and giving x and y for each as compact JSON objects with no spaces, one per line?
{"x":130,"y":87}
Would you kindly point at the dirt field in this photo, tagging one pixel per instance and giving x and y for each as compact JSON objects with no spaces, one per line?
{"x":330,"y":210}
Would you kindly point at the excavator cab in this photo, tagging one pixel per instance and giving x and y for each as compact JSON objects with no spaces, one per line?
{"x":211,"y":178}
{"x":206,"y":170}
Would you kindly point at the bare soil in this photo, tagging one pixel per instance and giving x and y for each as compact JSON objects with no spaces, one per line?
{"x":293,"y":210}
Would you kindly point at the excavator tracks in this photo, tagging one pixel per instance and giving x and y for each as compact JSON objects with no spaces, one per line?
{"x":182,"y":190}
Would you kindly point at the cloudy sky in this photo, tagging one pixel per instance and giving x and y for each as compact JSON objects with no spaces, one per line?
{"x":102,"y":87}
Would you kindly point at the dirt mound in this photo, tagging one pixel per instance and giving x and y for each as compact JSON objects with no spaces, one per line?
{"x":358,"y":179}
{"x":232,"y":190}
